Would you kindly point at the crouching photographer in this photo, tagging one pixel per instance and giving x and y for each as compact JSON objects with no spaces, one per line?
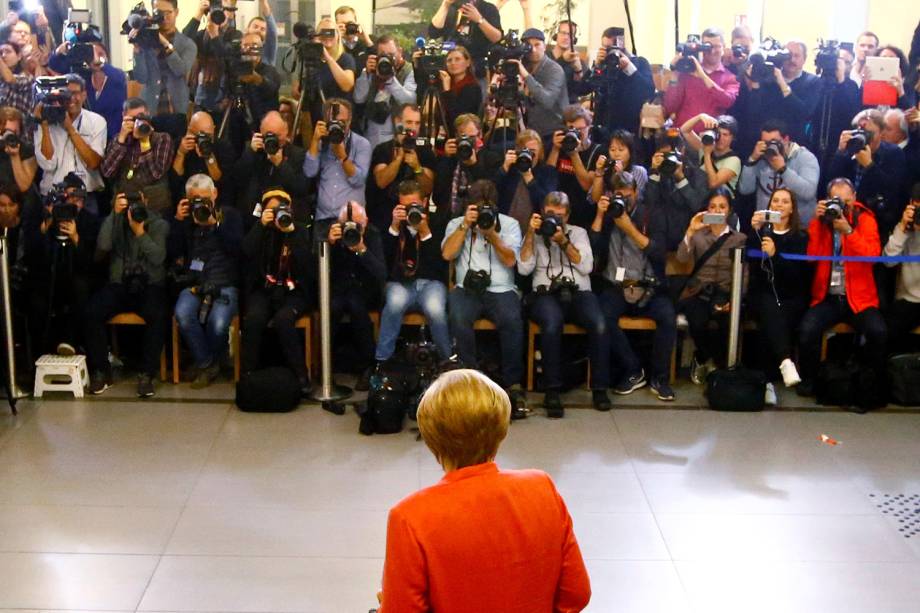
{"x":560,"y":261}
{"x":630,"y":245}
{"x":134,"y":238}
{"x":204,"y":247}
{"x":61,"y":252}
{"x":279,"y":275}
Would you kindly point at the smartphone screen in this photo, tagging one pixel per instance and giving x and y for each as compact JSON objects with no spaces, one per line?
{"x":714,"y":219}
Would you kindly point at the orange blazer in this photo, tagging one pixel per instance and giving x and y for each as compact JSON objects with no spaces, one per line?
{"x":484,"y":540}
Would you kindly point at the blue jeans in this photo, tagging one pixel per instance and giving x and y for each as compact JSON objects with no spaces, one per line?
{"x":427,"y":295}
{"x":504,"y":310}
{"x":585,"y":311}
{"x":661,"y":309}
{"x":207,"y":342}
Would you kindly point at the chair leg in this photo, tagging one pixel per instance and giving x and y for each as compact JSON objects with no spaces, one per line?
{"x":824,"y":346}
{"x":164,"y":377}
{"x":235,"y":339}
{"x":674,"y":363}
{"x":308,"y":346}
{"x":175,"y":350}
{"x":531,"y":341}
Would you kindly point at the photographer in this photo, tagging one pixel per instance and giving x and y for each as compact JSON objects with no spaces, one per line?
{"x":621,"y":152}
{"x":417,"y":272}
{"x":337,"y":75}
{"x":709,"y":89}
{"x":779,"y":292}
{"x":676,"y":191}
{"x":200,"y":153}
{"x":560,"y":262}
{"x":18,"y":166}
{"x":259,"y":83}
{"x":461,"y":92}
{"x":163,"y":69}
{"x":214,"y":43}
{"x":359,"y":270}
{"x":16,"y":85}
{"x":904,"y":313}
{"x":474,"y":24}
{"x":544,"y":81}
{"x":384,"y":90}
{"x":339,"y":157}
{"x":622,"y":84}
{"x":398,"y":160}
{"x":204,"y":248}
{"x":876,"y":168}
{"x":843,"y":291}
{"x":106,"y":86}
{"x":139,"y":157}
{"x":569,"y":59}
{"x":840,"y":101}
{"x":465,"y":161}
{"x":75,"y":145}
{"x":356,"y":41}
{"x":575,"y":158}
{"x":735,"y":58}
{"x":279,"y":275}
{"x":270,"y":160}
{"x":629,"y":242}
{"x":525,"y":179}
{"x":133,"y":237}
{"x":485,"y":246}
{"x":721,"y":163}
{"x":777,"y":161}
{"x":61,"y":248}
{"x":707,"y":245}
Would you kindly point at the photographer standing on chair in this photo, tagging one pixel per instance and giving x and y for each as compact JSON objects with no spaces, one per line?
{"x":544,"y":81}
{"x":163,"y":69}
{"x":560,"y":260}
{"x":204,"y":246}
{"x":474,"y":24}
{"x":386,"y":82}
{"x":133,"y":237}
{"x":622,"y":83}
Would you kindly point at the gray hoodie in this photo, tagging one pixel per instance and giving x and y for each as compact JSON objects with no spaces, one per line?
{"x":903,"y":243}
{"x":801,"y":177}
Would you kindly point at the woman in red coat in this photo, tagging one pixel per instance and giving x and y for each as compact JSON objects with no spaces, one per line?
{"x":482,"y":539}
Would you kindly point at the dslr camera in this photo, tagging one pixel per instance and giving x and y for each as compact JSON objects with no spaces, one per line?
{"x":202,"y":209}
{"x":693,"y":48}
{"x":834,"y":210}
{"x":411,"y":140}
{"x":549,"y":225}
{"x":524,"y":162}
{"x":434,"y":57}
{"x":466,"y":146}
{"x":561,"y":287}
{"x":617,"y":206}
{"x":775,"y":148}
{"x":488,"y":216}
{"x":771,"y":55}
{"x":54,"y":96}
{"x":671,"y":162}
{"x":709,"y":137}
{"x":136,"y":207}
{"x":351,"y":230}
{"x":146,"y":24}
{"x":858,"y":142}
{"x":284,"y":215}
{"x":386,"y":66}
{"x":143,"y":126}
{"x":204,"y":144}
{"x":335,"y":129}
{"x":10,"y":139}
{"x":571,"y":140}
{"x":477,"y":281}
{"x":415,"y":214}
{"x":740,"y":51}
{"x":271,"y":143}
{"x":61,"y":210}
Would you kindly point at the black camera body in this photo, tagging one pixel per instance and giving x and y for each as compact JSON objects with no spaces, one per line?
{"x":386,"y":66}
{"x":271,"y":143}
{"x":202,"y":209}
{"x":563,"y":288}
{"x":351,"y":29}
{"x":147,"y":25}
{"x":204,"y":144}
{"x":826,"y":58}
{"x":617,"y":206}
{"x":740,"y":51}
{"x":510,"y":47}
{"x":216,"y":14}
{"x":10,"y":139}
{"x":524,"y":162}
{"x":54,"y":96}
{"x":335,"y":129}
{"x":770,"y":56}
{"x":309,"y":51}
{"x":775,"y":148}
{"x":671,"y":162}
{"x":834,"y":210}
{"x":549,"y":225}
{"x":136,"y":208}
{"x":858,"y":142}
{"x":477,"y":281}
{"x":411,"y":140}
{"x":466,"y":146}
{"x":693,"y":48}
{"x":434,"y":57}
{"x":488,"y":216}
{"x":143,"y":126}
{"x":571,"y":140}
{"x":709,"y":137}
{"x":284,"y":215}
{"x":61,"y":209}
{"x":351,"y":233}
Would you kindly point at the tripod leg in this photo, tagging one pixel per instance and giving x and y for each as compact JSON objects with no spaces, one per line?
{"x":224,"y":120}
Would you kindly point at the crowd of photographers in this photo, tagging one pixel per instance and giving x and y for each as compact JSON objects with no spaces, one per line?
{"x":482,"y":174}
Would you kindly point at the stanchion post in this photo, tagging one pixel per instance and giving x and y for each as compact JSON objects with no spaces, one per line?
{"x":329,"y":392}
{"x":12,"y":389}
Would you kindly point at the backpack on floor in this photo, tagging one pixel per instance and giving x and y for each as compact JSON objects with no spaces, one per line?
{"x":393,"y":389}
{"x":837,"y":384}
{"x":736,"y":389}
{"x":270,"y":390}
{"x":904,"y":378}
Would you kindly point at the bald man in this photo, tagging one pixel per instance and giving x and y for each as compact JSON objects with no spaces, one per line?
{"x":261,"y":166}
{"x":199,"y":152}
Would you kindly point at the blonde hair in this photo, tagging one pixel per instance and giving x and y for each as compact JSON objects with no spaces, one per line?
{"x":525,"y":136}
{"x":463,"y":417}
{"x":326,"y":23}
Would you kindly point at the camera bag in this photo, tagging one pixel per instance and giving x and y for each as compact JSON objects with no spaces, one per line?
{"x":837,"y":384}
{"x":270,"y":390}
{"x":736,"y":389}
{"x":904,"y":378}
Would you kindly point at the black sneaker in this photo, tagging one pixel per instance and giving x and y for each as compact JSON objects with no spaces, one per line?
{"x":145,"y":386}
{"x":363,"y":383}
{"x":518,"y":399}
{"x":630,"y":383}
{"x":600,"y":400}
{"x":99,"y":382}
{"x":806,"y":388}
{"x":552,"y":402}
{"x":662,"y":389}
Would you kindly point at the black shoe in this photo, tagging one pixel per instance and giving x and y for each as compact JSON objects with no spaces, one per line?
{"x":518,"y":399}
{"x":631,"y":383}
{"x":805,"y":389}
{"x":99,"y":382}
{"x":145,"y":386}
{"x":600,"y":400}
{"x":662,"y":389}
{"x":552,"y":402}
{"x":364,"y":379}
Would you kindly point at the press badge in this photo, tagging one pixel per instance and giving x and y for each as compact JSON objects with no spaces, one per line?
{"x":837,"y":277}
{"x":257,"y":211}
{"x":196,"y":265}
{"x":620,"y":274}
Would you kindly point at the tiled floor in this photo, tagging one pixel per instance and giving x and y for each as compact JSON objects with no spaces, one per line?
{"x":185,"y":504}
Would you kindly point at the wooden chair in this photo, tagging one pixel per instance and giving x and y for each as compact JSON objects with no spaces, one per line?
{"x":310,"y":333}
{"x":234,"y":349}
{"x":133,"y":319}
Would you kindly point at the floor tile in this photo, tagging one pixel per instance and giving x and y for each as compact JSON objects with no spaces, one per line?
{"x":619,"y":536}
{"x":635,"y":587}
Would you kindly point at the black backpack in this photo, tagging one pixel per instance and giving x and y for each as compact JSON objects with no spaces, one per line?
{"x":904,"y":378}
{"x":270,"y":390}
{"x":736,"y":389}
{"x":393,"y":394}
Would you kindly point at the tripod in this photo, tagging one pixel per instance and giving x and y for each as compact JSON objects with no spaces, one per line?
{"x":237,"y":101}
{"x":309,"y":93}
{"x":433,"y":112}
{"x":511,"y":110}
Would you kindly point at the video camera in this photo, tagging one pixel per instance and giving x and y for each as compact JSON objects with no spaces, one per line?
{"x":860,"y":138}
{"x":693,"y":48}
{"x":434,"y":56}
{"x":769,"y":56}
{"x":146,"y":24}
{"x":54,"y":96}
{"x":411,"y":140}
{"x":80,"y":34}
{"x":826,"y":58}
{"x":510,"y":47}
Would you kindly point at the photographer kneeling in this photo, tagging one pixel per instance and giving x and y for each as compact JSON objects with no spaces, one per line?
{"x":205,"y":241}
{"x":278,"y":282}
{"x":561,"y":294}
{"x":134,"y":239}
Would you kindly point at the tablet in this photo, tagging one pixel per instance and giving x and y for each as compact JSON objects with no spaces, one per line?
{"x":881,"y":68}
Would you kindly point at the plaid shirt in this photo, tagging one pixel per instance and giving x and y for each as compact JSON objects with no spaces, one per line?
{"x":19,"y":94}
{"x":148,"y":167}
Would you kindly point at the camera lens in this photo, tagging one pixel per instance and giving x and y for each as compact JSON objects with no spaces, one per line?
{"x":201,"y":210}
{"x":709,"y":137}
{"x":548,"y":226}
{"x":524,"y":161}
{"x":570,"y":141}
{"x":271,"y":144}
{"x":415,"y":215}
{"x":283,"y":217}
{"x":351,"y":234}
{"x":143,"y":128}
{"x":465,"y":148}
{"x":138,"y":211}
{"x":486,"y":217}
{"x":617,"y":206}
{"x":336,"y":133}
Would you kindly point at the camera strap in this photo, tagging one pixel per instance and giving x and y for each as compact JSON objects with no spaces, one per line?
{"x":402,"y":250}
{"x":469,"y":261}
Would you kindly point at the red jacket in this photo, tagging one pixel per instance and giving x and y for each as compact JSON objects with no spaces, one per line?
{"x":484,"y":541}
{"x":858,"y":278}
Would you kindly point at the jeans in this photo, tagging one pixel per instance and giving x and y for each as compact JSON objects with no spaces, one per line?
{"x":430,"y":297}
{"x":661,"y":310}
{"x":281,"y":309}
{"x":710,"y":344}
{"x":832,"y":310}
{"x":903,"y":317}
{"x":585,"y":311}
{"x":209,"y":341}
{"x":355,"y":304}
{"x":113,"y":299}
{"x":504,"y":310}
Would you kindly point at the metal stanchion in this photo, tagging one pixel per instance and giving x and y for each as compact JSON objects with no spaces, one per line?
{"x":734,"y":317}
{"x":329,"y":393}
{"x":13,"y":393}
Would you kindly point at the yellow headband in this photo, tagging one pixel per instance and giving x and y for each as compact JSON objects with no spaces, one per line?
{"x":275,"y":193}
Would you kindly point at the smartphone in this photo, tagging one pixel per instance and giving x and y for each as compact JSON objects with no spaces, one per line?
{"x":713,"y":219}
{"x":773,"y":217}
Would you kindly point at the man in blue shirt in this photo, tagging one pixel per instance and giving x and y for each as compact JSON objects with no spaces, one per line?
{"x":484,"y":246}
{"x":340,"y":158}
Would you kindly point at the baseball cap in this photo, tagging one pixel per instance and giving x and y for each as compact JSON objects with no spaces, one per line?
{"x":533,"y":33}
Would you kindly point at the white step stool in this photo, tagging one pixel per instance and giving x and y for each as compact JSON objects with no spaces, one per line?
{"x":73,"y":367}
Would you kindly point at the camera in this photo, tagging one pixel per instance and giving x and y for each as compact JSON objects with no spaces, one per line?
{"x":386,"y":66}
{"x":80,"y":34}
{"x":524,"y":162}
{"x":510,"y":47}
{"x":775,"y":148}
{"x":146,"y":24}
{"x":466,"y":146}
{"x":309,"y":52}
{"x":54,"y":96}
{"x":549,"y":225}
{"x":415,"y":214}
{"x":61,"y":209}
{"x":351,"y":29}
{"x":10,"y":139}
{"x":216,"y":14}
{"x":488,"y":216}
{"x":411,"y":140}
{"x":858,"y":142}
{"x":709,"y":137}
{"x":671,"y":162}
{"x":434,"y":56}
{"x":284,"y":215}
{"x":351,"y":230}
{"x":143,"y":126}
{"x":834,"y":210}
{"x":271,"y":143}
{"x":477,"y":281}
{"x":771,"y":55}
{"x":136,"y":207}
{"x":335,"y":129}
{"x":617,"y":206}
{"x":772,"y":216}
{"x":570,"y":141}
{"x":826,"y":58}
{"x":423,"y":355}
{"x":204,"y":144}
{"x":202,"y":209}
{"x":740,"y":51}
{"x":689,"y":50}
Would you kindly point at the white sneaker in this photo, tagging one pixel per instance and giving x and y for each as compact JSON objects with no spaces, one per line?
{"x":769,"y":397}
{"x":790,"y":374}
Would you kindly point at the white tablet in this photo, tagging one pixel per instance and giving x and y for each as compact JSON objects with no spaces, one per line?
{"x":881,"y":68}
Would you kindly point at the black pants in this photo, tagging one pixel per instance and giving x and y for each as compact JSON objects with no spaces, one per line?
{"x":113,"y":299}
{"x":355,"y":304}
{"x":777,"y":325}
{"x":661,"y":309}
{"x":281,"y":309}
{"x":710,"y":344}
{"x":58,"y":316}
{"x":903,"y":316}
{"x":833,"y":310}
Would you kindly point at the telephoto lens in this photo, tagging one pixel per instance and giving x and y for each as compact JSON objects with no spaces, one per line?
{"x":570,"y":141}
{"x":487,"y":217}
{"x":284,"y":217}
{"x":549,"y":225}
